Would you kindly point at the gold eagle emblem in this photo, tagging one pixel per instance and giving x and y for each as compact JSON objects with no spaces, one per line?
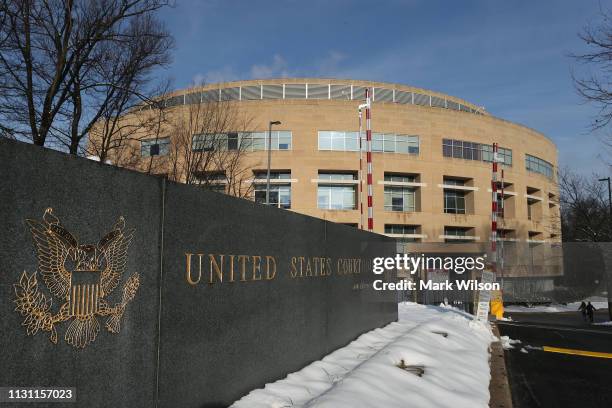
{"x":81,"y":276}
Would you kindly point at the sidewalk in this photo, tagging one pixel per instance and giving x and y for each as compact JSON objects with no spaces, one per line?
{"x":499,"y":388}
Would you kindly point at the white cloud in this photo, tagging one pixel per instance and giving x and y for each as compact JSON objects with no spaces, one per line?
{"x":278,"y":68}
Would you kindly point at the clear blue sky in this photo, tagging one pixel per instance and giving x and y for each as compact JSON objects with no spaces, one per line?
{"x":509,"y":56}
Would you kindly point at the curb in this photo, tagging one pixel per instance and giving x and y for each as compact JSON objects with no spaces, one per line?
{"x":499,"y":388}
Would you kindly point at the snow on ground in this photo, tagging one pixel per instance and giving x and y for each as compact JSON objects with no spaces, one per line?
{"x":447,"y":343}
{"x":597,"y":302}
{"x":507,"y":342}
{"x":603,"y":324}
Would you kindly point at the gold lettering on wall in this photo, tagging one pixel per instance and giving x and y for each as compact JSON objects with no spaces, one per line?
{"x":188,"y":270}
{"x":216,"y":267}
{"x":242,"y":259}
{"x":256,"y":268}
{"x":233,"y":268}
{"x":270,"y":267}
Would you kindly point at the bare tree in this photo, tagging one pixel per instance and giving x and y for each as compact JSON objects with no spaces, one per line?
{"x":584,"y":208}
{"x":597,"y":86}
{"x":209,"y":144}
{"x":120,"y":125}
{"x":64,"y":64}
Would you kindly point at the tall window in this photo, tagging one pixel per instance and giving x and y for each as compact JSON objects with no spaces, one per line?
{"x":154,"y":147}
{"x":336,"y":191}
{"x":461,"y":149}
{"x":400,"y":198}
{"x":537,"y":165}
{"x":280,"y":192}
{"x":454,"y":202}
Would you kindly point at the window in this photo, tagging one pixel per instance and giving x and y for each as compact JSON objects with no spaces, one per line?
{"x":505,"y":155}
{"x":454,"y":234}
{"x":206,"y":142}
{"x":334,"y":193}
{"x":400,"y":178}
{"x":280,"y":140}
{"x":349,"y":142}
{"x":232,"y":141}
{"x":280,"y":193}
{"x":456,"y":231}
{"x":538,"y":165}
{"x":392,"y":143}
{"x":500,"y":205}
{"x":339,"y":141}
{"x":399,"y":198}
{"x":401,"y":229}
{"x":274,"y":175}
{"x":460,"y":149}
{"x":454,"y":202}
{"x":453,"y":181}
{"x":213,"y":181}
{"x":154,"y":147}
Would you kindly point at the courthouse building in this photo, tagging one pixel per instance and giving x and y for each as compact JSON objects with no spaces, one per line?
{"x":431,"y":161}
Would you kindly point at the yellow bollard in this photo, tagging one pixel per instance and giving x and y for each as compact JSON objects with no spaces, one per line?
{"x":497,"y":304}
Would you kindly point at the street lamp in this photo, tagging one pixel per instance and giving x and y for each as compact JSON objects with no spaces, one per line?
{"x":276,"y":122}
{"x":609,"y":273}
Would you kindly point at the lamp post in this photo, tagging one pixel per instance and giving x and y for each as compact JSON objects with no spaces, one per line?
{"x":606,"y":249}
{"x":276,"y":122}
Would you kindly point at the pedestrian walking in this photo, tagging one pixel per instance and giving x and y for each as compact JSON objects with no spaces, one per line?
{"x":590,"y":309}
{"x":583,"y":311}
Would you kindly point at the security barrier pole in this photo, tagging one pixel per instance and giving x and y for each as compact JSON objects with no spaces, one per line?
{"x":369,"y":158}
{"x":360,"y":185}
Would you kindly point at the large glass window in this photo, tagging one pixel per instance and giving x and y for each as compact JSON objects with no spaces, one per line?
{"x":155,"y":147}
{"x":349,"y":141}
{"x":332,"y":194}
{"x":208,"y":142}
{"x":392,"y":143}
{"x":460,"y":149}
{"x":280,"y":193}
{"x":248,"y":141}
{"x":280,"y":140}
{"x":454,"y":202}
{"x":537,"y":165}
{"x":339,"y":141}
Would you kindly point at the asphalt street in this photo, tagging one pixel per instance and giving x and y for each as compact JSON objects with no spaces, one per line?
{"x":540,"y":378}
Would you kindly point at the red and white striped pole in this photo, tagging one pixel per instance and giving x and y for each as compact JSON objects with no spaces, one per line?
{"x":502,"y":231}
{"x":369,"y":158}
{"x":494,"y":212}
{"x":360,"y":185}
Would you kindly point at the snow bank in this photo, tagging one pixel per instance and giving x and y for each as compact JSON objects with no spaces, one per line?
{"x":447,"y":343}
{"x":603,"y":324}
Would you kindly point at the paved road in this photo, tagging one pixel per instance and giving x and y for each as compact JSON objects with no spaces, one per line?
{"x":545,"y":379}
